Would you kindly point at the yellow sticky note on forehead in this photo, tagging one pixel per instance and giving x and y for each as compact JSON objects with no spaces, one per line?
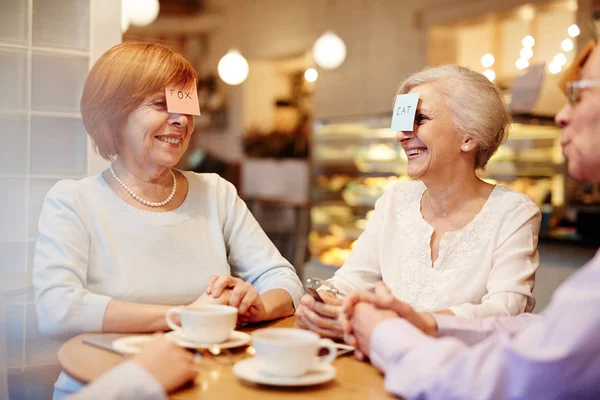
{"x":572,"y":73}
{"x":183,"y":100}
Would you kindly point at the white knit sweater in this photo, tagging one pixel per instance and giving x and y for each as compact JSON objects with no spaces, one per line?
{"x":93,"y":246}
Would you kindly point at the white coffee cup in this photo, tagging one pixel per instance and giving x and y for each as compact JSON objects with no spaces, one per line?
{"x":208,"y":324}
{"x":289,"y":352}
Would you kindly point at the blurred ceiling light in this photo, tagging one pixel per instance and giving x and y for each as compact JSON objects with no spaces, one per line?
{"x":311,"y":75}
{"x":526,"y":53}
{"x":487,"y":60}
{"x":124,"y":21}
{"x":490,"y":74}
{"x":522,"y":63}
{"x":572,"y":5}
{"x":566,"y":45}
{"x":140,"y":12}
{"x":527,"y":12}
{"x":554,"y":68}
{"x":560,"y":59}
{"x":528,"y":41}
{"x":233,"y":68}
{"x":329,"y":51}
{"x":574,"y":30}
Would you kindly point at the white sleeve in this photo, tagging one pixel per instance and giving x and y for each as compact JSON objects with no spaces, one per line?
{"x":362,"y":270}
{"x":250,"y":253}
{"x":64,"y":305}
{"x":126,"y":381}
{"x":515,"y":261}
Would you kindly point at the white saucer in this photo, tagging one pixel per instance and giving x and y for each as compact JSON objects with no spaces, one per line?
{"x":247,"y":370}
{"x":131,"y":344}
{"x":236,"y":339}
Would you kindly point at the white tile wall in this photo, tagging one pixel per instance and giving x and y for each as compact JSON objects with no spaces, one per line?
{"x":14,"y":144}
{"x":51,"y":136}
{"x":12,"y":210}
{"x":46,"y":47}
{"x":13,"y":75}
{"x":13,"y":256}
{"x":57,"y":81}
{"x":61,"y":24}
{"x":14,"y":315}
{"x":14,"y":21}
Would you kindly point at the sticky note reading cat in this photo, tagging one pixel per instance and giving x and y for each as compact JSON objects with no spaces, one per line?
{"x":183,"y":101}
{"x":405,"y":107}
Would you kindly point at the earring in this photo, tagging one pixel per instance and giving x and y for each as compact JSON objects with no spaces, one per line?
{"x":466,"y":147}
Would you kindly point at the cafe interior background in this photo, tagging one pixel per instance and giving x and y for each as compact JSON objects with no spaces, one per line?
{"x":296,"y":98}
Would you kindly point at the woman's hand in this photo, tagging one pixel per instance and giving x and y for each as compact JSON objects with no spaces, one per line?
{"x":321,"y":318}
{"x":383,"y":305}
{"x":206,"y":299}
{"x":365,"y":318}
{"x":363,"y":311}
{"x":169,"y":364}
{"x":385,"y":300}
{"x":241,"y":295}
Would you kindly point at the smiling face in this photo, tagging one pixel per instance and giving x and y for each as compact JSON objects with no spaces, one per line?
{"x":581,"y":126}
{"x":153,"y":137}
{"x":434,"y":144}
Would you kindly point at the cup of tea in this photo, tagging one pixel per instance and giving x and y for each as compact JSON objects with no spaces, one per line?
{"x":208,"y":324}
{"x":290,"y":352}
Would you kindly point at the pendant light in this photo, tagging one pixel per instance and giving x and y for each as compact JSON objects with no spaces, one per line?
{"x":329,"y":50}
{"x":233,"y":68}
{"x":140,"y":12}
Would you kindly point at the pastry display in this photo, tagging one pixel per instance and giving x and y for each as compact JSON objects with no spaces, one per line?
{"x":370,"y":161}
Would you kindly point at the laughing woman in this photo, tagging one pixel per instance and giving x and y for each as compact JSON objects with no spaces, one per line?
{"x":447,"y":242}
{"x":120,"y":248}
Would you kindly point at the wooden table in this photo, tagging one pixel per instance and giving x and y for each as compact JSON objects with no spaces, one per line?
{"x":354,"y":380}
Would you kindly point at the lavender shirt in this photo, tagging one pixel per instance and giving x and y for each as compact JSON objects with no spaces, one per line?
{"x":552,"y":355}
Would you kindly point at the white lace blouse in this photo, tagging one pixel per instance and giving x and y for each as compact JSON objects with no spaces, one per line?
{"x":485,"y":269}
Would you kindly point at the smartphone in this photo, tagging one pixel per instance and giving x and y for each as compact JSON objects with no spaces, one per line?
{"x":310,"y":286}
{"x":104,"y":341}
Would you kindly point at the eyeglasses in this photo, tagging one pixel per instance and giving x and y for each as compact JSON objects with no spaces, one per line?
{"x":574,"y":89}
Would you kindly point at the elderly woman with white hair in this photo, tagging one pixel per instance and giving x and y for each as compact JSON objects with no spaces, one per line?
{"x":446,"y":242}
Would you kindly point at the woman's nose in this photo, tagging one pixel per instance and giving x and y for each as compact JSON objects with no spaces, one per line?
{"x":177,"y":119}
{"x":563,"y":118}
{"x":403,"y":135}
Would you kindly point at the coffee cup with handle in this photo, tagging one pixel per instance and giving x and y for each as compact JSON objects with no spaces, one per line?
{"x":290,"y":352}
{"x":206,"y":324}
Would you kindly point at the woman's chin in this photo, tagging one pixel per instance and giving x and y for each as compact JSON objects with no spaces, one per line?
{"x":414,"y":173}
{"x":167,"y":162}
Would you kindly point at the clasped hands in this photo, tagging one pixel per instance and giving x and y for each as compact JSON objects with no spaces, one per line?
{"x":355,"y":318}
{"x":232,"y":291}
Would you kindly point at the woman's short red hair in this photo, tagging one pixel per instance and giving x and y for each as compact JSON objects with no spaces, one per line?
{"x":118,"y":83}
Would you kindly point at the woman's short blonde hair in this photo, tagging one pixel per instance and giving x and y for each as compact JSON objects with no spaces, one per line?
{"x":474,"y":102}
{"x":119,"y":82}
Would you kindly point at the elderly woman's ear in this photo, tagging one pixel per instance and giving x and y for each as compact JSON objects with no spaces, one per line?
{"x":468,"y":144}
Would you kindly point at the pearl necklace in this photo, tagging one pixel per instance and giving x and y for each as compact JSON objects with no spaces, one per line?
{"x":143,"y":201}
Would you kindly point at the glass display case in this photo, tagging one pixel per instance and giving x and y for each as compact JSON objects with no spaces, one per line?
{"x":354,"y":160}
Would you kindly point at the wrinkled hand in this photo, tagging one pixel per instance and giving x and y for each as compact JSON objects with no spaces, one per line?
{"x":385,"y":306}
{"x":243,"y":296}
{"x":169,"y":364}
{"x":365,"y":318}
{"x":384,"y":299}
{"x":321,"y":318}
